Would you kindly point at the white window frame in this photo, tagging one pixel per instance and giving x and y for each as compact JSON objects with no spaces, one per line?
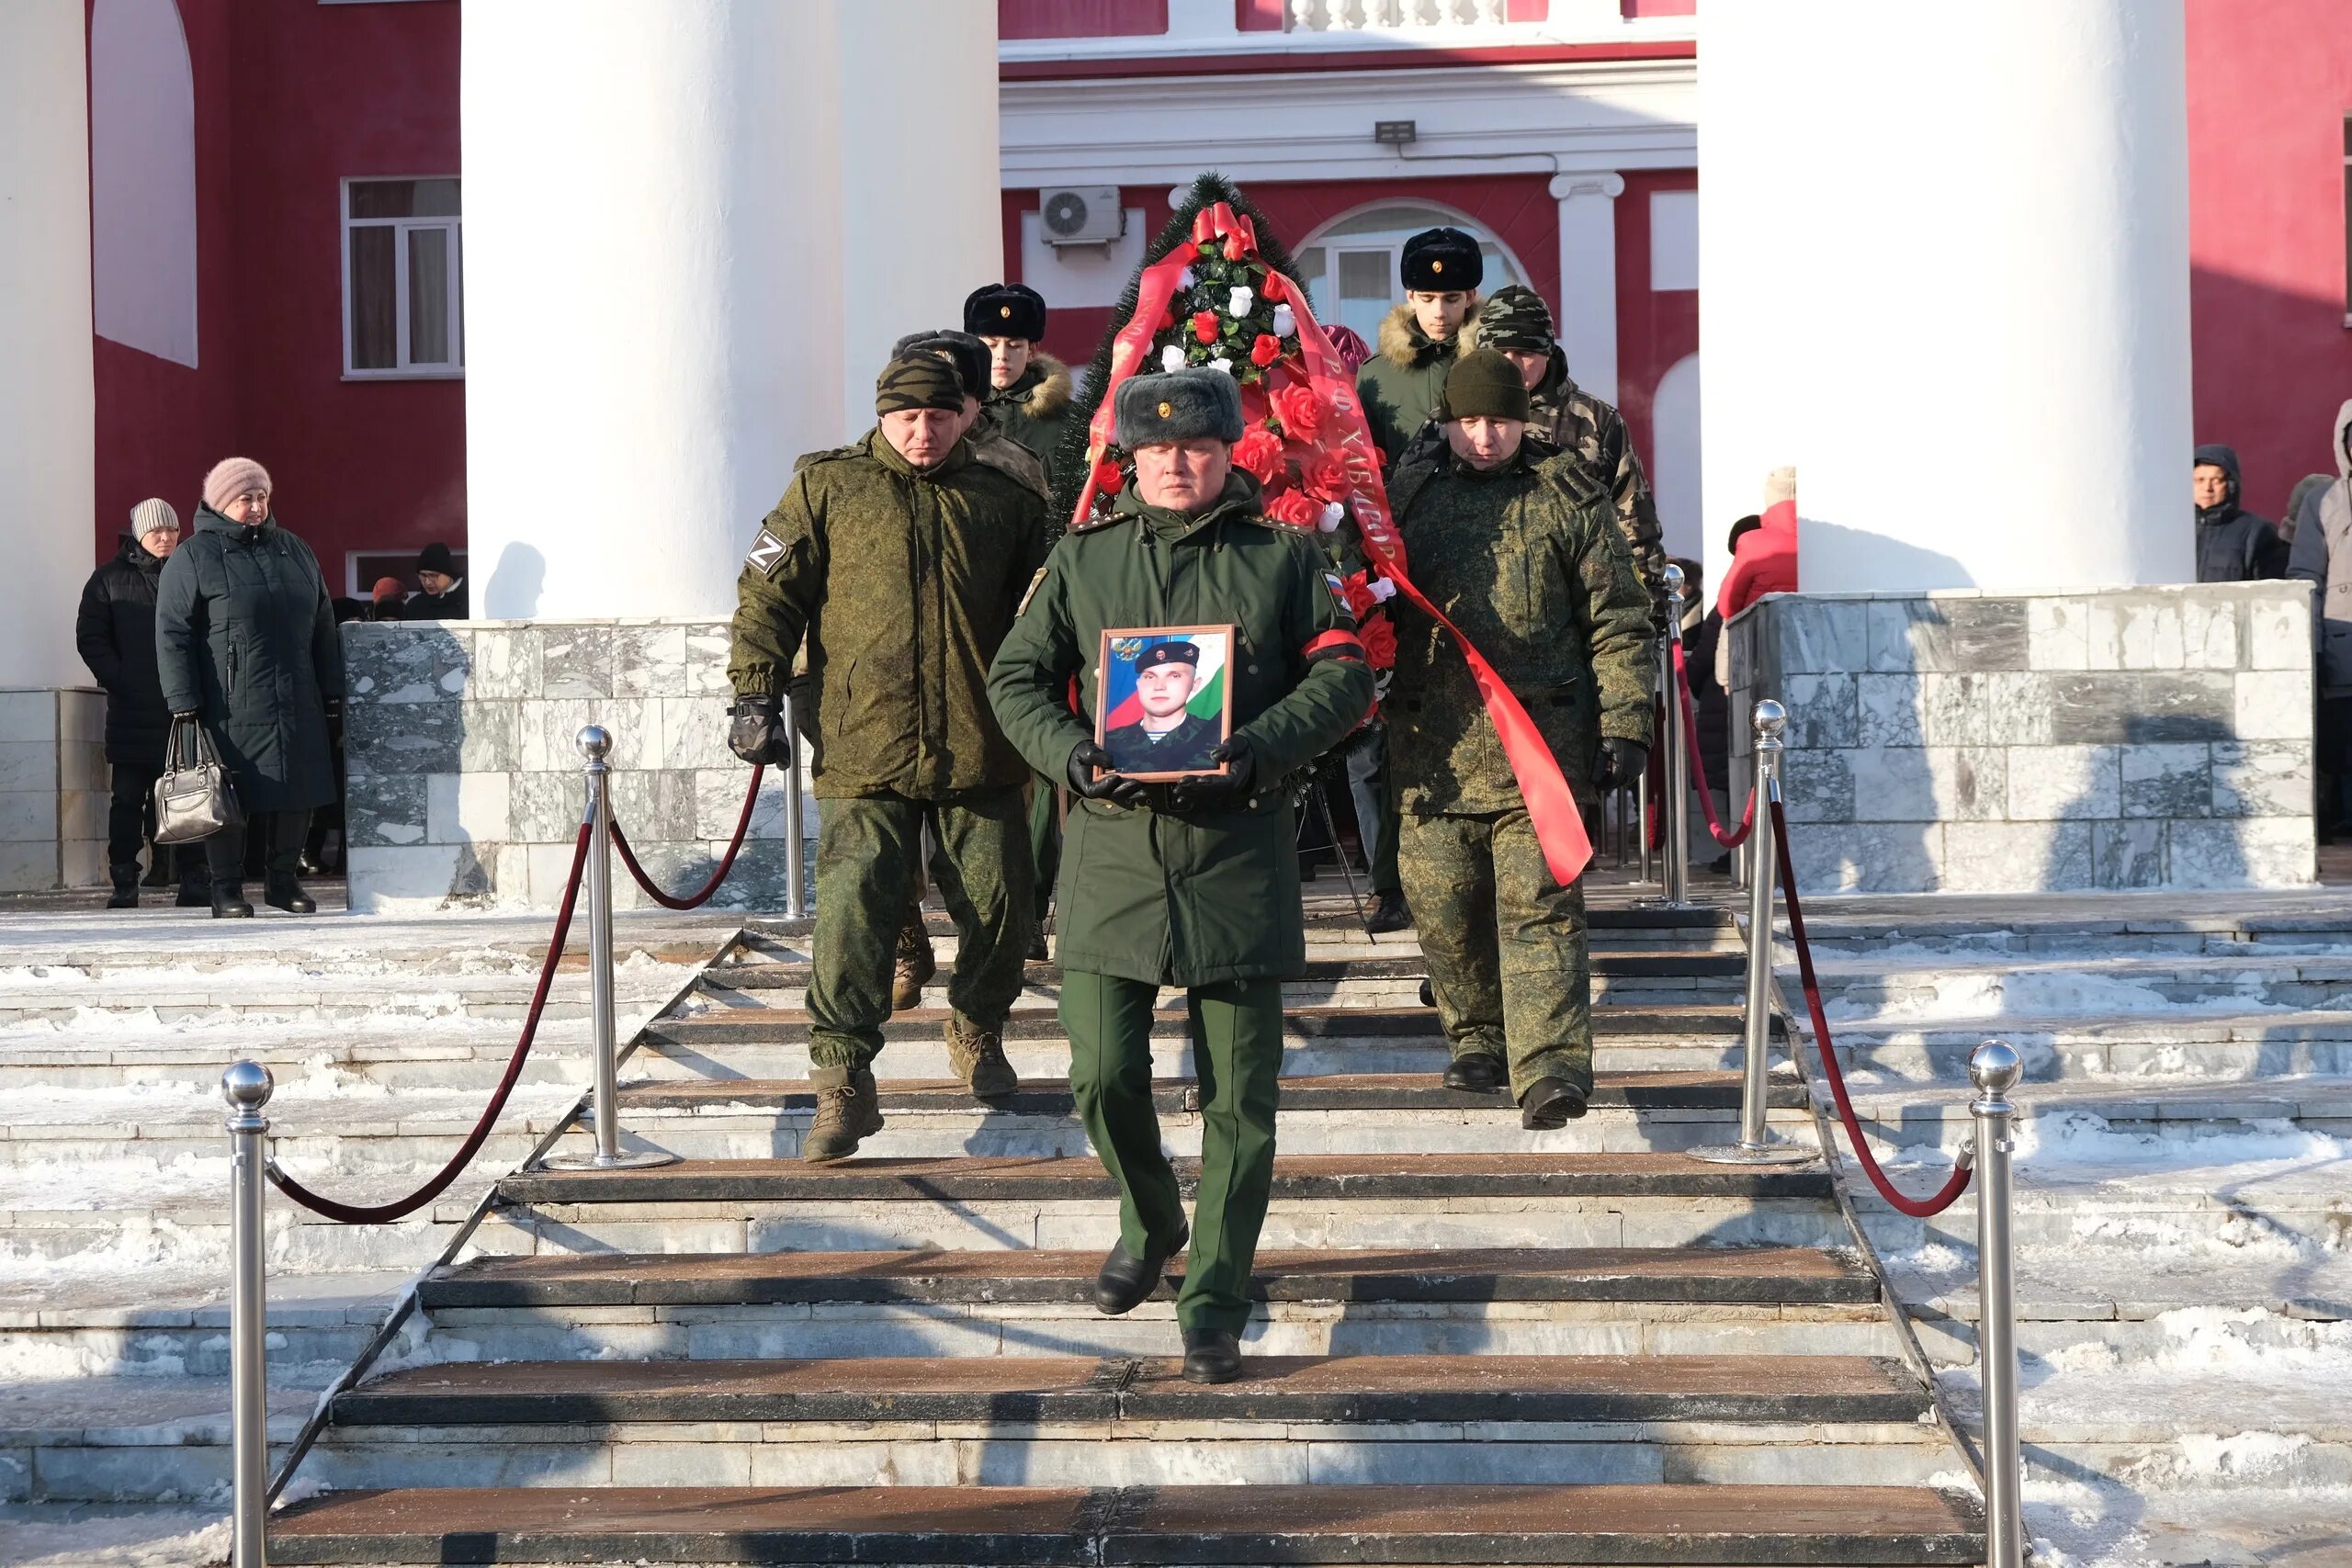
{"x":404,"y":370}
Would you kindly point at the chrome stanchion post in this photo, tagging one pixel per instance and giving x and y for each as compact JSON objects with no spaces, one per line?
{"x":1994,"y":1067}
{"x":1756,"y":1145}
{"x":1642,"y":805}
{"x":246,"y":1086}
{"x":595,"y":744}
{"x":1676,"y":850}
{"x":795,"y":900}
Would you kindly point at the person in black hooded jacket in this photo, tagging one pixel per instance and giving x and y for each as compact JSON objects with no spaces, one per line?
{"x":2233,"y":544}
{"x":115,"y":634}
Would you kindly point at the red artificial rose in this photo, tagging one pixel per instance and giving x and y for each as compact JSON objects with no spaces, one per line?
{"x":1266,"y":350}
{"x":1379,"y":639}
{"x":1293,"y":509}
{"x":1357,"y":586}
{"x":1108,"y":477}
{"x":1260,"y":451}
{"x":1302,"y":411}
{"x":1324,"y":477}
{"x":1205,"y":325}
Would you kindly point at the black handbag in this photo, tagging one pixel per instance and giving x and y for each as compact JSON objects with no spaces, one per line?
{"x":193,"y":799}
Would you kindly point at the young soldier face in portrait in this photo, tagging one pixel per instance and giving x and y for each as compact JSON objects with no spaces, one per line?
{"x":1439,"y":314}
{"x":1485,"y":441}
{"x":1182,"y":475}
{"x":1163,"y":690}
{"x":1007,"y":357}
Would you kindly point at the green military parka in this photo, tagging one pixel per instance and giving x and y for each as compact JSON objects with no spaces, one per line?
{"x":1528,"y":562}
{"x":1154,"y":894}
{"x":903,"y":580}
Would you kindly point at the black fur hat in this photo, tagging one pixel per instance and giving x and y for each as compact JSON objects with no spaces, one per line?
{"x":1005,"y":309}
{"x":1439,"y":261}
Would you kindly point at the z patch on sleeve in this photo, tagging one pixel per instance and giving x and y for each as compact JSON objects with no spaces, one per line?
{"x":767,"y":554}
{"x":1340,"y":598}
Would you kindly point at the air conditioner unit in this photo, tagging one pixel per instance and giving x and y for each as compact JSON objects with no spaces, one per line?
{"x":1081,"y":215}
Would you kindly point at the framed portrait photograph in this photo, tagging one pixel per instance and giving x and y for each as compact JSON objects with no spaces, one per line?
{"x":1162,"y":700}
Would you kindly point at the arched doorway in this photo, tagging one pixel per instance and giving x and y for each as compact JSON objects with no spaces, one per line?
{"x":1349,"y":265}
{"x":1674,"y":472}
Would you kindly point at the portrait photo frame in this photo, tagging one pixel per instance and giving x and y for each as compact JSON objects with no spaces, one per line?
{"x":1134,"y":688}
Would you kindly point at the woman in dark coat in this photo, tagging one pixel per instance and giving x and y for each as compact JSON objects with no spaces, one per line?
{"x":245,"y":641}
{"x":115,"y":633}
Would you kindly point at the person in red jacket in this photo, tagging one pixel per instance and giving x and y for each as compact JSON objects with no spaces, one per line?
{"x":1764,"y":559}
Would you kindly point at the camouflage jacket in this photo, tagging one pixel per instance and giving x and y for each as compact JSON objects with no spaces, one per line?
{"x":900,"y":582}
{"x":1523,"y":558}
{"x":1570,"y":419}
{"x":1036,"y":409}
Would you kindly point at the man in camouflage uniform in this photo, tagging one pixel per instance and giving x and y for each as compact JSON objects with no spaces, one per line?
{"x":1565,"y":416}
{"x":899,"y":561}
{"x":914,"y":963}
{"x":1192,"y":884}
{"x":1518,"y":544}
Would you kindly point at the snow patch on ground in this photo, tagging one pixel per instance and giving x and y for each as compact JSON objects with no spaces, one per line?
{"x":124,"y":1537}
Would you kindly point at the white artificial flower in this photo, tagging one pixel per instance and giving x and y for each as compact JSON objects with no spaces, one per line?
{"x":1333,"y":512}
{"x":1171,"y":359}
{"x":1238,"y":303}
{"x":1284,"y":321}
{"x":1184,"y":279}
{"x":1383,"y":590}
{"x":1222,"y":363}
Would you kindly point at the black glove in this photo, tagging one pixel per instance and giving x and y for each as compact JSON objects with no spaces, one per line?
{"x":1116,"y":788}
{"x":1221,"y":789}
{"x":1622,"y":762}
{"x":757,"y":734}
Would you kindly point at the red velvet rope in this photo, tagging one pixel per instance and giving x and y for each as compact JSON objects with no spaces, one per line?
{"x":380,"y":1214}
{"x":1917,"y":1208}
{"x":1698,"y":769}
{"x":696,"y":900}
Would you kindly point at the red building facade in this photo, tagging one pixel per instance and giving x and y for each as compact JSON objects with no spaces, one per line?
{"x":292,"y":101}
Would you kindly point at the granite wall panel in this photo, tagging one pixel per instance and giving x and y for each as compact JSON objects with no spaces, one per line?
{"x":1978,"y":741}
{"x":466,"y":780}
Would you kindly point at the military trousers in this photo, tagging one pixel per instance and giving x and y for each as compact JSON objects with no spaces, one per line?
{"x":1511,"y":962}
{"x":869,"y":853}
{"x":1237,"y":1033}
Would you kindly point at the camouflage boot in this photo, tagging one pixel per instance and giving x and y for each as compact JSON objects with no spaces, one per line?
{"x":977,"y":1057}
{"x":914,"y":965}
{"x":848,"y":1109}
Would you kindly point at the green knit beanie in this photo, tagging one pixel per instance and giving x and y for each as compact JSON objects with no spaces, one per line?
{"x":1485,"y":384}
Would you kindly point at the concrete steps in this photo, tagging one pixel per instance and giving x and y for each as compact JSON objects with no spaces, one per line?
{"x":1085,"y":1526}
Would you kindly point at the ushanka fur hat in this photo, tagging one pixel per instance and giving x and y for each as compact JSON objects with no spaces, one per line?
{"x":1441,"y":260}
{"x":1177,"y":406}
{"x":1005,"y":309}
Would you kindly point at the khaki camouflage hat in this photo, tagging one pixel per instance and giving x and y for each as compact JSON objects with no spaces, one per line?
{"x":919,"y":380}
{"x":1516,"y":318}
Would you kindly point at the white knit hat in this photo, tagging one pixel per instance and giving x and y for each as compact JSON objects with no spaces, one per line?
{"x":1780,"y":485}
{"x":153,"y":516}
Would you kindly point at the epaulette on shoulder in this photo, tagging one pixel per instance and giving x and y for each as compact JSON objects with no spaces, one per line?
{"x":1096,"y":524}
{"x":811,"y":459}
{"x":1005,"y":456}
{"x":1572,"y":475}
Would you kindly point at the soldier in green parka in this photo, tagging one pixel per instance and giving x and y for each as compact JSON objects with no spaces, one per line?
{"x":1401,"y":383}
{"x":1194,"y":884}
{"x":899,"y":561}
{"x":1518,"y":544}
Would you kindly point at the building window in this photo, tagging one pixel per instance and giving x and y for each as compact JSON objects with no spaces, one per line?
{"x":1348,"y":269}
{"x":403,"y":313}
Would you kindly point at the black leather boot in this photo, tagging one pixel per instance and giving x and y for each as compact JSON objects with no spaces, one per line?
{"x":1549,"y":1104}
{"x":1211,"y":1355}
{"x":126,"y":887}
{"x":1479,"y":1072}
{"x":228,"y":902}
{"x":1389,"y":913}
{"x":284,"y":892}
{"x":1125,"y":1279}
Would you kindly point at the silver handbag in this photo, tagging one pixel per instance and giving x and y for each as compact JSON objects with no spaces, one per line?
{"x":193,"y":799}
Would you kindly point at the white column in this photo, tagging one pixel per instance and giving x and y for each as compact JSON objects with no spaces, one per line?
{"x":1588,"y":325}
{"x":47,"y":462}
{"x":1945,"y":269}
{"x":922,"y":221}
{"x":654,"y":292}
